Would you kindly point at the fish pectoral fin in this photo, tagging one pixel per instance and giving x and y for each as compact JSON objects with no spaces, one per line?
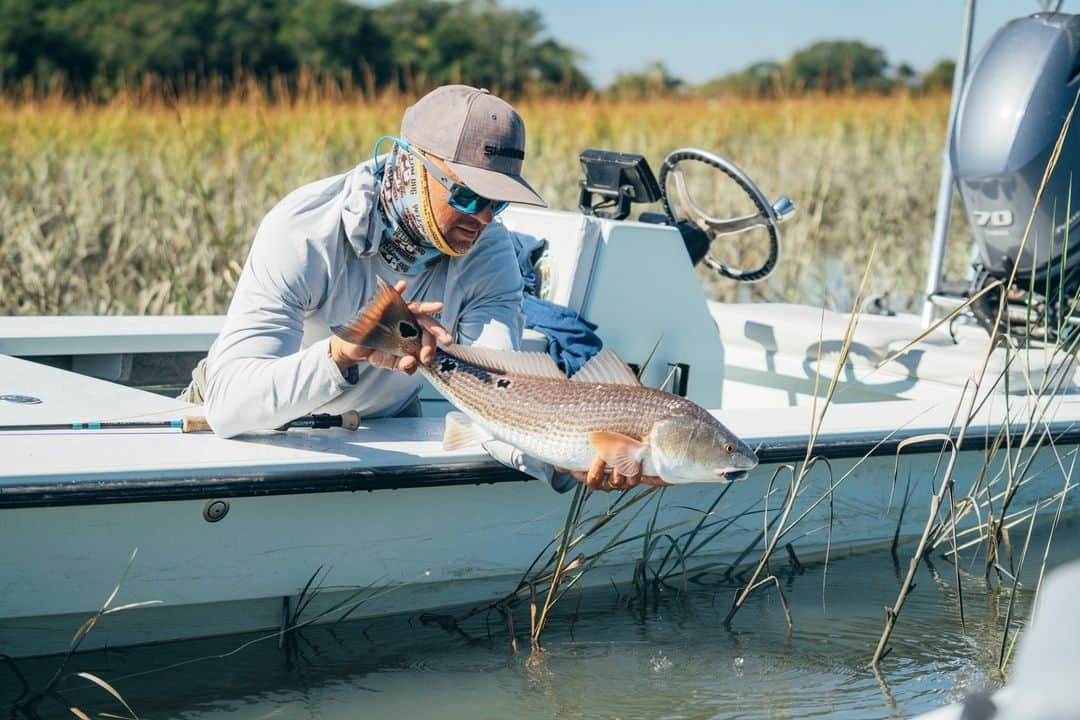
{"x":621,"y":452}
{"x":462,"y":432}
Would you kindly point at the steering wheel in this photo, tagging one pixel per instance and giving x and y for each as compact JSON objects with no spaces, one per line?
{"x":768,"y":215}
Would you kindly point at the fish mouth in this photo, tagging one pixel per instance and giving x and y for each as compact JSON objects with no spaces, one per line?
{"x":732,"y":475}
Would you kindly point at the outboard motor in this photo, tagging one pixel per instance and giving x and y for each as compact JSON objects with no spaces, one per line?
{"x":1014,"y":105}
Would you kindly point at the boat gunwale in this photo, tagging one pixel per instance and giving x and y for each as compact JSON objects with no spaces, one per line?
{"x":89,"y":491}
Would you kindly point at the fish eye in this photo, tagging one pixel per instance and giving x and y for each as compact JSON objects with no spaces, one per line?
{"x":729,"y":448}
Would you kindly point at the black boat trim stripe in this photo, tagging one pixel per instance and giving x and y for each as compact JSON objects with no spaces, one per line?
{"x":408,"y":477}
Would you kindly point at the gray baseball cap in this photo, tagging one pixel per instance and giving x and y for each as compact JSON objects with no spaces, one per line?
{"x":481,"y":138}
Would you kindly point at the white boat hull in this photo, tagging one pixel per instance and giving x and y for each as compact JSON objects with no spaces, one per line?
{"x":415,"y":549}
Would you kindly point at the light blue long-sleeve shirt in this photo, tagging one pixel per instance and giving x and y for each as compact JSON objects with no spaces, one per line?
{"x":313,"y":263}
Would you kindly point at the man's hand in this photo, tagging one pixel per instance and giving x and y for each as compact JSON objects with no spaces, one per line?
{"x":346,"y":354}
{"x":605,"y":479}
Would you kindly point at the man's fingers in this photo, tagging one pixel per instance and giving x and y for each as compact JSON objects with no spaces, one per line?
{"x":630,"y":480}
{"x":425,"y":307}
{"x":341,"y":350}
{"x":427,"y":347}
{"x":407,"y":364}
{"x":399,"y":287}
{"x":596,"y":476}
{"x":389,"y":361}
{"x":432,"y":326}
{"x":382,"y":360}
{"x":605,"y":479}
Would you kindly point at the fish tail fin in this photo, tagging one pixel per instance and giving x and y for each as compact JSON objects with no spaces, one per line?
{"x":384,"y":323}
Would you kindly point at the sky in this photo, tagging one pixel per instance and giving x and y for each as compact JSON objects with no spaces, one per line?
{"x":702,"y":39}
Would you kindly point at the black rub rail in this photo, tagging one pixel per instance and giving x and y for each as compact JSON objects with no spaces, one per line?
{"x":408,"y":477}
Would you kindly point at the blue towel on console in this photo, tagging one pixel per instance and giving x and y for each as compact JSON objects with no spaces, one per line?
{"x":529,"y":250}
{"x":572,"y":339}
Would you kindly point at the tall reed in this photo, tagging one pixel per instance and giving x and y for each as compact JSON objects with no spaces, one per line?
{"x":147,"y":205}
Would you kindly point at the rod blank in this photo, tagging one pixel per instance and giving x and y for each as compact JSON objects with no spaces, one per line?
{"x":193,"y":423}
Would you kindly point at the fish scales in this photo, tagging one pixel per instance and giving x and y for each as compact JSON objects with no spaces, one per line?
{"x":551,"y":417}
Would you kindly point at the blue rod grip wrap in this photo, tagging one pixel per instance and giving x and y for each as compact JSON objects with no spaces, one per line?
{"x":176,"y":423}
{"x":93,"y":426}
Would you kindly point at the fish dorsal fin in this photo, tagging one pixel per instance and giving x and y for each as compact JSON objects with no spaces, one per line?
{"x":621,"y":452}
{"x":606,"y":367}
{"x":534,"y":364}
{"x":462,"y":432}
{"x":383,"y":323}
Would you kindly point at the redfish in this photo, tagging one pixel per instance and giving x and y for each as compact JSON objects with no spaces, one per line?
{"x":523,"y":399}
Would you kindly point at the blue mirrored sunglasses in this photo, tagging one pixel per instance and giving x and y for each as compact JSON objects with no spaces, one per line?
{"x":460,"y":197}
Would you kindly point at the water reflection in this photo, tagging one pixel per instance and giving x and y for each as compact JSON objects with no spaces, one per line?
{"x":607,"y":653}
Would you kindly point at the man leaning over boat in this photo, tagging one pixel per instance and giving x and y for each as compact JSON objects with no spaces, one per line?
{"x":421,"y":217}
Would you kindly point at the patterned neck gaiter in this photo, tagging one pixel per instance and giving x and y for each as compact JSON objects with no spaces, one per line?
{"x":411,"y":239}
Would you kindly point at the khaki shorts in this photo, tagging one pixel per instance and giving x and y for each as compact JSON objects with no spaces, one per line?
{"x":195,"y":390}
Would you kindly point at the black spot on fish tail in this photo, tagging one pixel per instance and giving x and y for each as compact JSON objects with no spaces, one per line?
{"x":447,"y":365}
{"x":503,"y":383}
{"x":407,"y":330}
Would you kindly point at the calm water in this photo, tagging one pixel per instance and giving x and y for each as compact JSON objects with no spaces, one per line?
{"x":606,"y":655}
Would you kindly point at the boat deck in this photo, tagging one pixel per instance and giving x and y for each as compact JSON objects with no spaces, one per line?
{"x":68,"y":467}
{"x":63,"y":458}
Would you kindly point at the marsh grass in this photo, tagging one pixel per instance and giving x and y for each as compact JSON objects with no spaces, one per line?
{"x":146,"y":206}
{"x":296,"y":615}
{"x":29,"y":700}
{"x":1017,"y":465}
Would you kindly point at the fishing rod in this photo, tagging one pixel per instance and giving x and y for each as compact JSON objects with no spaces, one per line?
{"x":349,"y":420}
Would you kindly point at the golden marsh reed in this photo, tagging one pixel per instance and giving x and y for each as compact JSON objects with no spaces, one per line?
{"x":136,"y":206}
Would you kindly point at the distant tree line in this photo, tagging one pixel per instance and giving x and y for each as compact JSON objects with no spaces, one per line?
{"x":834,"y":66}
{"x":824,"y":67}
{"x":93,"y":46}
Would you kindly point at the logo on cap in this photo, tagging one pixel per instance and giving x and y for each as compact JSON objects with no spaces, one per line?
{"x":504,"y":152}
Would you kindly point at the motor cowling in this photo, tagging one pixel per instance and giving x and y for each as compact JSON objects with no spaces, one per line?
{"x":1010,"y":116}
